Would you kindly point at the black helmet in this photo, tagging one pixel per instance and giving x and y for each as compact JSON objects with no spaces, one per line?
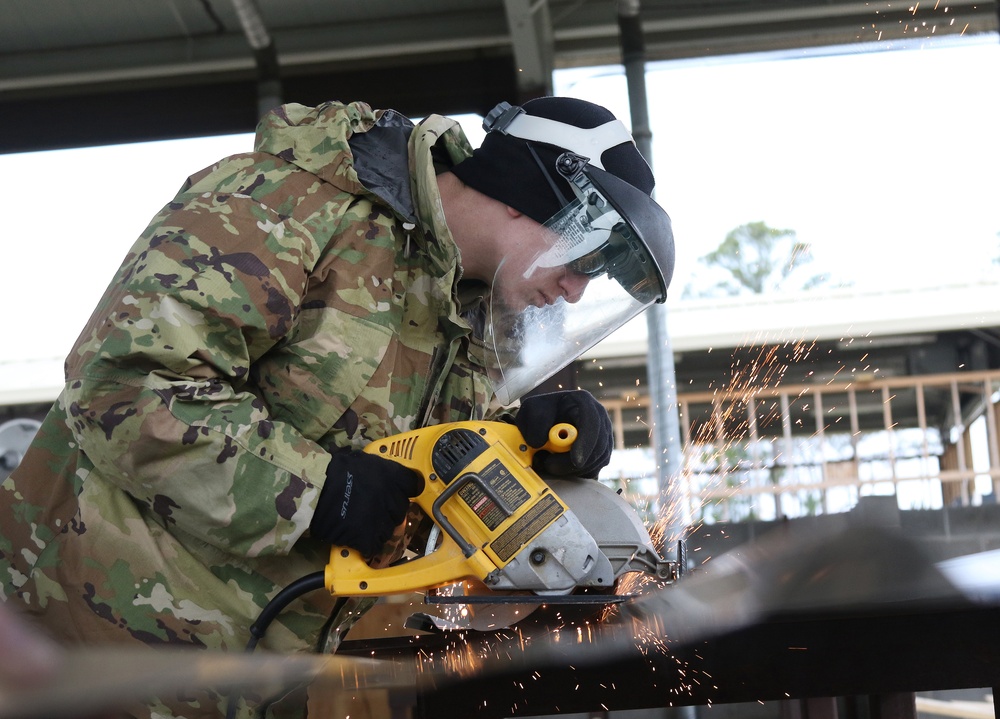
{"x":534,"y":159}
{"x":572,"y":167}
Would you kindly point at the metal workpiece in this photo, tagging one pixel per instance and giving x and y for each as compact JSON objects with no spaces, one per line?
{"x":853,"y":612}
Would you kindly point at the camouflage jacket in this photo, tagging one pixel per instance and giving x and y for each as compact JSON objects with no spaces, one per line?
{"x":287,"y":302}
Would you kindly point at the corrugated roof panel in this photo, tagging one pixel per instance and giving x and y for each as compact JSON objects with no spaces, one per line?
{"x":118,"y":54}
{"x":29,"y":26}
{"x":19,"y":31}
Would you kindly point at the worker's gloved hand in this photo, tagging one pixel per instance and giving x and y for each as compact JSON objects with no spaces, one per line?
{"x":364,"y":499}
{"x":592,"y":449}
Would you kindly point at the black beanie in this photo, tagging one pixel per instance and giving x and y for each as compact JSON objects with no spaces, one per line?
{"x":503,"y":166}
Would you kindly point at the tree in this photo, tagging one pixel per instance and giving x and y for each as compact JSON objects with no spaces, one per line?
{"x":755,"y":259}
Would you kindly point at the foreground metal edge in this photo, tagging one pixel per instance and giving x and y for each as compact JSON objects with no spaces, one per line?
{"x":857,"y":568}
{"x":93,"y":680}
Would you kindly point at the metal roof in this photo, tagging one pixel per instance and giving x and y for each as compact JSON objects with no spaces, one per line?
{"x":840,"y":315}
{"x":118,"y":70}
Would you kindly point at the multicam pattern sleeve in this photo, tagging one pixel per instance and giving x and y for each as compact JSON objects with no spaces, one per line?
{"x":160,"y":394}
{"x":276,"y":310}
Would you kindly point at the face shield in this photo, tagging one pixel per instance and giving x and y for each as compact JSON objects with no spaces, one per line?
{"x":596,"y":264}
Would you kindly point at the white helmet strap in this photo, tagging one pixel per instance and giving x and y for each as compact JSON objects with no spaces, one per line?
{"x":590,"y":143}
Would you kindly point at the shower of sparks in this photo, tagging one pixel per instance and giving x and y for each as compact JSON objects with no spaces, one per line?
{"x":469,"y":654}
{"x":922,"y":21}
{"x":758,"y":368}
{"x":755,"y":372}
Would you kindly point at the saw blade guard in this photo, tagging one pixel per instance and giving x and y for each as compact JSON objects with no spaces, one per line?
{"x":615,"y":526}
{"x":608,"y":520}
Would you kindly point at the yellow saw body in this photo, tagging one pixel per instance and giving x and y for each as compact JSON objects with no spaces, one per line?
{"x":500,"y":523}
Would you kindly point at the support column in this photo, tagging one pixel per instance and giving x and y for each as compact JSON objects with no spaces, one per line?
{"x":811,"y":708}
{"x":666,"y":435}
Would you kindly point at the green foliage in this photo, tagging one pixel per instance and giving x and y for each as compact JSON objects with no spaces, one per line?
{"x":755,"y":259}
{"x":812,"y":503}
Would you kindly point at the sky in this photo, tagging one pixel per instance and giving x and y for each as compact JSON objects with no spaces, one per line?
{"x":884,"y":161}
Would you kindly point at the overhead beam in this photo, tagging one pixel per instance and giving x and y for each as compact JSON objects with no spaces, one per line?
{"x":532,"y":43}
{"x":301,"y":50}
{"x":265,"y":55}
{"x":166,"y":110}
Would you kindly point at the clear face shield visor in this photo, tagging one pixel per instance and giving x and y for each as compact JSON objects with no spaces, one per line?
{"x":588,"y":275}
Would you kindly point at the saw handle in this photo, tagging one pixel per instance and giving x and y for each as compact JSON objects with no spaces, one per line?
{"x":561,"y":437}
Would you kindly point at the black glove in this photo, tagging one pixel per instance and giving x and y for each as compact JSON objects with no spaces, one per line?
{"x":364,"y":499}
{"x":592,"y":448}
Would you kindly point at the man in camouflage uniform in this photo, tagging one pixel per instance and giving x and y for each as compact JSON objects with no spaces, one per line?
{"x":286,"y":308}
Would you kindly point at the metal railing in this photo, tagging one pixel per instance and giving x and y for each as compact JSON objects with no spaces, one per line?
{"x":768,"y":452}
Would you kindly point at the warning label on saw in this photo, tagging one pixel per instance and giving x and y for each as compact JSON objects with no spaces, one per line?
{"x":526,"y":528}
{"x":503,"y":486}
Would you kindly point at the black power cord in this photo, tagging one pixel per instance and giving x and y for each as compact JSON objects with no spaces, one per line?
{"x":282,"y":599}
{"x":302,"y":585}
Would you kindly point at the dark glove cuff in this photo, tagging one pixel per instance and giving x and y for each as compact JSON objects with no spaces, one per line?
{"x":365,"y":497}
{"x":330,"y":508}
{"x":592,"y":449}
